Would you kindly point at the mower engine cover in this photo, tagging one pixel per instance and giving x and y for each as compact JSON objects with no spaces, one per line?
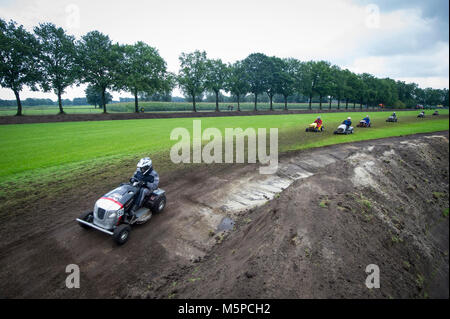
{"x":110,"y":207}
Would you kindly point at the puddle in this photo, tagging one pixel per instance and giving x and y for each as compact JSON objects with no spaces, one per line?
{"x":226,"y":224}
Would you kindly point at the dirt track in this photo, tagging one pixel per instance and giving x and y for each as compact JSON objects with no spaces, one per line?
{"x":308,"y":231}
{"x":159,"y":115}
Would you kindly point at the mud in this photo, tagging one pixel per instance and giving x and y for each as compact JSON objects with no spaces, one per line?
{"x":307,"y":232}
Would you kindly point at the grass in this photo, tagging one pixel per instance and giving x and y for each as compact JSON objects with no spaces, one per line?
{"x":45,"y":152}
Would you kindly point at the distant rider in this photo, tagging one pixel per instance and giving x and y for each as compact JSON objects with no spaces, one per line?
{"x":148,"y":180}
{"x":318,"y":121}
{"x":348,"y":122}
{"x":367,"y":120}
{"x":394,"y":115}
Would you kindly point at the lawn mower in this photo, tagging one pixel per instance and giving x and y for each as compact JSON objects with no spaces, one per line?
{"x":111,"y":213}
{"x":313,"y":128}
{"x":436,"y":113}
{"x":363,"y":123}
{"x":391,"y":119}
{"x":421,"y":115}
{"x":342,"y":129}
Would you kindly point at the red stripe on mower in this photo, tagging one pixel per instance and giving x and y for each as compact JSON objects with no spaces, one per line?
{"x":121,"y":206}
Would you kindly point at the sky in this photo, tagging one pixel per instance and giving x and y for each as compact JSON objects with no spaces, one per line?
{"x":405,"y":40}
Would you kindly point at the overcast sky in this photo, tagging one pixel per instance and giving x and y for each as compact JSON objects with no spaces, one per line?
{"x":404,"y":39}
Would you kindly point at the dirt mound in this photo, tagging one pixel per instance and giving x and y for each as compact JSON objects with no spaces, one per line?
{"x":385,"y":204}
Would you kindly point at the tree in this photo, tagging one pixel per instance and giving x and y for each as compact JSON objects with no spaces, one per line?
{"x":94,"y":96}
{"x":18,"y":60}
{"x":287,"y":84}
{"x":57,"y":59}
{"x":216,"y":77}
{"x":338,"y":84}
{"x":255,"y":66}
{"x":99,"y":62}
{"x":322,"y":79}
{"x":192,"y":75}
{"x":274,"y":70}
{"x":237,"y":83}
{"x":142,"y":70}
{"x":350,"y":87}
{"x":309,"y":79}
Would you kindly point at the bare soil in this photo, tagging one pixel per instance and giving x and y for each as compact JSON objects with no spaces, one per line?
{"x":307,"y":232}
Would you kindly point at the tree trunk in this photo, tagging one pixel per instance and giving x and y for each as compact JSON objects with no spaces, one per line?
{"x":310,"y":101}
{"x":193,"y":103}
{"x":360,"y":105}
{"x":256,"y":101}
{"x":61,"y":111}
{"x":238,"y":101}
{"x":136,"y":106}
{"x":346,"y":104}
{"x":19,"y":103}
{"x":217,"y":101}
{"x":104,"y":101}
{"x":329,"y":106}
{"x":270,"y":98}
{"x":339,"y":103}
{"x":285,"y":103}
{"x":320,"y":102}
{"x":354,"y":105}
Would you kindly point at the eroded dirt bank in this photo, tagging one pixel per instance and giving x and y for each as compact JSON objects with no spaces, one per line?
{"x":379,"y":203}
{"x":308,"y":231}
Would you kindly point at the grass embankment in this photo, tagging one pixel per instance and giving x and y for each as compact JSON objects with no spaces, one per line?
{"x":61,"y":155}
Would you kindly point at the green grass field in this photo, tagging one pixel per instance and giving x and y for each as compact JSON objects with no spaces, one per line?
{"x":49,"y":159}
{"x":32,"y":147}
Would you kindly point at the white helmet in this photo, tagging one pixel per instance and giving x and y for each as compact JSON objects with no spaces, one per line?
{"x":349,"y":118}
{"x":145,"y":165}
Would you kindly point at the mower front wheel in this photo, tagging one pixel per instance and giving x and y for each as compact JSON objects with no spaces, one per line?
{"x":87,"y":217}
{"x":121,"y":234}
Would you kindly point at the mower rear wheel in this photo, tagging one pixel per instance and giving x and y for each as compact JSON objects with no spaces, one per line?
{"x":159,"y":205}
{"x":121,"y":234}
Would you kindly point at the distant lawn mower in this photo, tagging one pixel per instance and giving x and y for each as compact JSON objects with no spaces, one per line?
{"x":111,"y":213}
{"x":392,"y":119}
{"x":421,"y":115}
{"x":343,"y":129}
{"x":363,"y":123}
{"x":313,"y":128}
{"x":436,"y":113}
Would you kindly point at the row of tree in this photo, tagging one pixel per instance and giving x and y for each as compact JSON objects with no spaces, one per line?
{"x":260,"y":74}
{"x":51,"y":60}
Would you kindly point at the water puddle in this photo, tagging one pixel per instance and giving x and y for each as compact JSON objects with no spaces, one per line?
{"x":226,"y":224}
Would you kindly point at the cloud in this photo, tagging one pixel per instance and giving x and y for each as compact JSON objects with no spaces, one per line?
{"x":403,"y":39}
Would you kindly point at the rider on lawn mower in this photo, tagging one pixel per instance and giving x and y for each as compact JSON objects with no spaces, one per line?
{"x":348,"y":122}
{"x":319,"y":123}
{"x":148,"y":180}
{"x":367,"y":120}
